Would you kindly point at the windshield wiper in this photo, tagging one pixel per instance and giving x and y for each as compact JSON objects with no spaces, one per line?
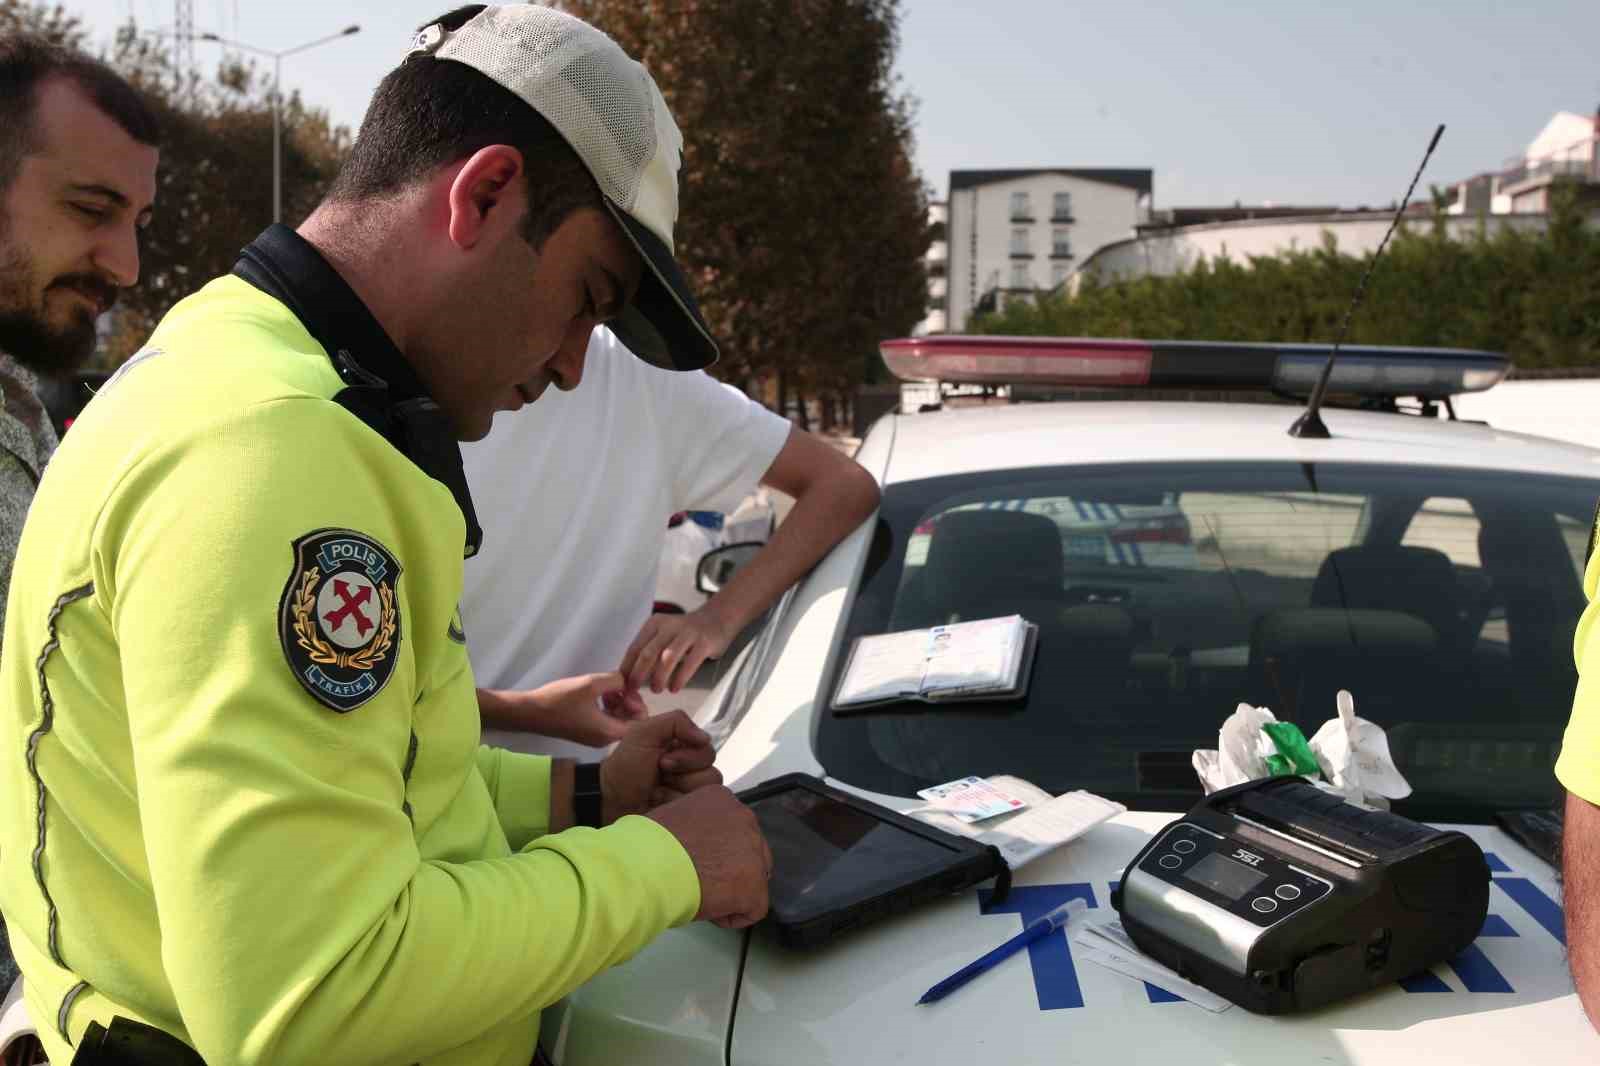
{"x":1538,"y":831}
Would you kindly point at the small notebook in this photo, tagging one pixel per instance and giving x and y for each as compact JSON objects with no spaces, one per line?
{"x":989,"y":659}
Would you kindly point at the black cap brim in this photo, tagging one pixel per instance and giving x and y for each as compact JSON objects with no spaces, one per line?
{"x":662,"y":324}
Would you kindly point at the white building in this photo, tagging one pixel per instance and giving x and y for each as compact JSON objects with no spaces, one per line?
{"x":1166,"y":250}
{"x":1564,"y":151}
{"x":937,"y":263}
{"x":1022,"y":231}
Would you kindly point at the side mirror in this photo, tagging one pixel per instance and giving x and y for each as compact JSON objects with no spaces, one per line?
{"x":718,"y":566}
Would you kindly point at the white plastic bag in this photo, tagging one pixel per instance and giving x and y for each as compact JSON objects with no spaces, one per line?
{"x":1354,"y":756}
{"x":1242,"y":750}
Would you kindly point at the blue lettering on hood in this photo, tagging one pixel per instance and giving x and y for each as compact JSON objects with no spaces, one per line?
{"x":1055,"y":975}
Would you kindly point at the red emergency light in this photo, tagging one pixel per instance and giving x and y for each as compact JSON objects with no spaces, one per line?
{"x":1002,"y":360}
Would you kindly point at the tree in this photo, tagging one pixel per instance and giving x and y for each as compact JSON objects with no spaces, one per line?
{"x":50,"y":22}
{"x":214,"y":186}
{"x":803,"y":222}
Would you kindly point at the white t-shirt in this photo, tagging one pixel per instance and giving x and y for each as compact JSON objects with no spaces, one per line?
{"x":574,"y":493}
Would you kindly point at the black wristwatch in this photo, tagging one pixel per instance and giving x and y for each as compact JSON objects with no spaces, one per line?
{"x":586,"y":794}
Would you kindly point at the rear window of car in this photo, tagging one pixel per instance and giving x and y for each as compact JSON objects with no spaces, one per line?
{"x":1444,"y":600}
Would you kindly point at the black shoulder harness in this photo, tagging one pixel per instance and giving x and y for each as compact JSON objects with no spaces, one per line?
{"x":381,"y":389}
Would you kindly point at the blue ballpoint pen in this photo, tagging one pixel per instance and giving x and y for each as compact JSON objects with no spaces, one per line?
{"x":1041,"y":927}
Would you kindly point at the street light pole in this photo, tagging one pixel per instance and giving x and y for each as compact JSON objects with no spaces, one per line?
{"x":277,"y":139}
{"x":277,"y":100}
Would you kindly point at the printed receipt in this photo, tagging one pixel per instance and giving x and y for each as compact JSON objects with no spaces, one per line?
{"x":1035,"y":832}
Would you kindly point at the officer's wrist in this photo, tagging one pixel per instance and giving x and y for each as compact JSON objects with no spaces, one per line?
{"x":616,"y":800}
{"x":561,"y":781}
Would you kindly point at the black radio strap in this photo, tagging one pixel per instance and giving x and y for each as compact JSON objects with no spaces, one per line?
{"x":381,"y":389}
{"x":131,"y":1043}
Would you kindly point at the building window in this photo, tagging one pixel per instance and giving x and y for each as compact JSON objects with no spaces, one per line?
{"x":1058,"y":273}
{"x":1021,"y":207}
{"x":1061,"y":244}
{"x":1061,"y":208}
{"x":1019,"y":241}
{"x":1019,"y":276}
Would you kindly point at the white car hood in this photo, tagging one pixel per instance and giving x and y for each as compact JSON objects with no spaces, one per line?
{"x":854,"y":1001}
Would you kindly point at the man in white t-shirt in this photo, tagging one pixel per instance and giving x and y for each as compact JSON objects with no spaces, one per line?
{"x":574,"y":496}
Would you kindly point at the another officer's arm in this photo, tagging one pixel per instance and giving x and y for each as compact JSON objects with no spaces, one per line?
{"x":1580,"y":890}
{"x":1578,"y":768}
{"x":299,"y":921}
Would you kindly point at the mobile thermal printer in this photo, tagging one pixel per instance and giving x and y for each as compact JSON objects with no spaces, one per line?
{"x":1282,"y":896}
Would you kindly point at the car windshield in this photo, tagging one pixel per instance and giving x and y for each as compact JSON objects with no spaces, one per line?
{"x":1444,"y":600}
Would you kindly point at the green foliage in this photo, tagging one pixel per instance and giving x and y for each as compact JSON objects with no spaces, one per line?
{"x":1535,"y":295}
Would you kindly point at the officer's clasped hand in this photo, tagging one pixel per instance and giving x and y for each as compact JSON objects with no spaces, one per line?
{"x":730,"y":854}
{"x":662,"y":769}
{"x":658,"y":760}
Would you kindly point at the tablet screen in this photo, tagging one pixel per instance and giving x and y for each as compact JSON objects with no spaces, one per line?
{"x":824,"y":850}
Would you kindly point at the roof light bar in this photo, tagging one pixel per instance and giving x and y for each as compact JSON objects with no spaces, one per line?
{"x":1291,"y":369}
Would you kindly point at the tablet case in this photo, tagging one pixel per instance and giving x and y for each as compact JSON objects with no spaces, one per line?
{"x":1030,"y":649}
{"x":808,"y":923}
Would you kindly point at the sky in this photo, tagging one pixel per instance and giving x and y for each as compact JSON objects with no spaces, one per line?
{"x":1256,"y":101}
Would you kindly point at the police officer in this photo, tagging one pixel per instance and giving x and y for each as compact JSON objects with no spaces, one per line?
{"x":243,"y":799}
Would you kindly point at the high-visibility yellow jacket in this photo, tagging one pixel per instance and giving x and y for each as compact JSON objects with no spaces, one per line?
{"x":241,"y":791}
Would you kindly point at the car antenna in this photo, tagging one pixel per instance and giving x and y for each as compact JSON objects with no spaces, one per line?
{"x":1310,"y":425}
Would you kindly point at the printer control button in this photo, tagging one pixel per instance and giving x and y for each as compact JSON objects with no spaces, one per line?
{"x":1287,"y":893}
{"x":1170,"y":862}
{"x":1183,"y":847}
{"x":1264,"y":904}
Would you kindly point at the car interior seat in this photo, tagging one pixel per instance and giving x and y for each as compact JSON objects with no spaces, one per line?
{"x":980,"y":563}
{"x":1386,"y":622}
{"x":1534,"y":583}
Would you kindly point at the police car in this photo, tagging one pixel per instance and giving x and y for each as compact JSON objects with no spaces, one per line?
{"x":691,"y":535}
{"x":1457,"y":547}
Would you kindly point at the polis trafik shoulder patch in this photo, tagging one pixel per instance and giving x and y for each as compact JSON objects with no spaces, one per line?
{"x":339,"y":618}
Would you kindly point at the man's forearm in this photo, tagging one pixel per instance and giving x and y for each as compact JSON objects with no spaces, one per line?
{"x":1580,"y":892}
{"x":526,"y":712}
{"x":821,"y":517}
{"x":495,"y":710}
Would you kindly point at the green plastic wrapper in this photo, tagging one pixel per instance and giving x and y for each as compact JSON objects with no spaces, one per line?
{"x":1294,"y":754}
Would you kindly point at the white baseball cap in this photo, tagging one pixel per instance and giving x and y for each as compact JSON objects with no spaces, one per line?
{"x":609,"y":110}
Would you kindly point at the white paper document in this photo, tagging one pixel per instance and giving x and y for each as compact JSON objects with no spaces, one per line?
{"x":1040,"y":830}
{"x":1107,"y":944}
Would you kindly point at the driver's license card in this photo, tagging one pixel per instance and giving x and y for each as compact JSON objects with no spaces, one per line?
{"x":971,"y":799}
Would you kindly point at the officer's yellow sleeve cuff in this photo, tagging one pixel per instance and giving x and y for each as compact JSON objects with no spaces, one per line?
{"x":634,"y":851}
{"x":1578,"y":772}
{"x":665,"y":858}
{"x":520,"y":787}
